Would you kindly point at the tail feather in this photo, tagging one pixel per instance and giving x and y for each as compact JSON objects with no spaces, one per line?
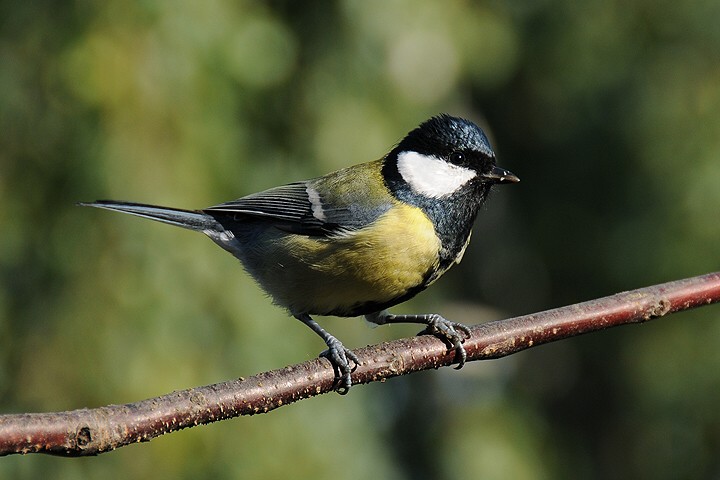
{"x":193,"y":220}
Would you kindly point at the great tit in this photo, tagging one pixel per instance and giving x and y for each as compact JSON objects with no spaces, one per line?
{"x":362,"y":239}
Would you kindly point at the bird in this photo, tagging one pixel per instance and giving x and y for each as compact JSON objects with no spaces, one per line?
{"x":361,"y":239}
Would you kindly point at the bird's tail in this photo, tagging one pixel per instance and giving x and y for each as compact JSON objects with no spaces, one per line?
{"x":193,"y":220}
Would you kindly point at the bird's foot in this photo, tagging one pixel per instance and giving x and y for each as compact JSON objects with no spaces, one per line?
{"x":450,"y":332}
{"x":340,"y":357}
{"x":453,"y":333}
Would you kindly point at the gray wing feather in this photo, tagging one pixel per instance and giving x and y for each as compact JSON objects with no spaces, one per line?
{"x":290,"y":208}
{"x":288,"y":202}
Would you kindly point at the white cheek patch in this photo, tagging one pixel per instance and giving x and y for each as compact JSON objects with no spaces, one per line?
{"x":431,"y":176}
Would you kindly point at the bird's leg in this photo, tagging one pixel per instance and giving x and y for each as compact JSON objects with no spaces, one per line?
{"x":339,"y":356}
{"x":452,"y":332}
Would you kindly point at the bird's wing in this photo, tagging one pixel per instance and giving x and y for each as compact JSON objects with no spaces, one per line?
{"x":300,"y":208}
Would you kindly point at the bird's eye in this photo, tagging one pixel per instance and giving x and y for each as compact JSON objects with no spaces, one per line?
{"x":457,"y":158}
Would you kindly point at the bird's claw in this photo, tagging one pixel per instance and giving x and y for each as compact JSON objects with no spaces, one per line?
{"x":340,"y":357}
{"x":448,"y":331}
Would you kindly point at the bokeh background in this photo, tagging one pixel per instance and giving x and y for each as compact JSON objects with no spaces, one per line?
{"x":608,"y":111}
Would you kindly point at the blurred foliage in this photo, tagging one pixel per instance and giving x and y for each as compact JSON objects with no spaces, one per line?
{"x":608,"y":111}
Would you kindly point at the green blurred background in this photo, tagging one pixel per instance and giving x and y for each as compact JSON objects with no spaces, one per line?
{"x":608,"y":111}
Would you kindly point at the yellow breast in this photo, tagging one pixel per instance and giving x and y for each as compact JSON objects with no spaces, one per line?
{"x":375,"y":265}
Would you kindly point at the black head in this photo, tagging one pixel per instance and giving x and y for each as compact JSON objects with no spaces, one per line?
{"x":442,"y":135}
{"x":446,"y":155}
{"x":446,"y":167}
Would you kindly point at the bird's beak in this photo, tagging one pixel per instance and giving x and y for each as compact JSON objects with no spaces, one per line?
{"x":500,"y":175}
